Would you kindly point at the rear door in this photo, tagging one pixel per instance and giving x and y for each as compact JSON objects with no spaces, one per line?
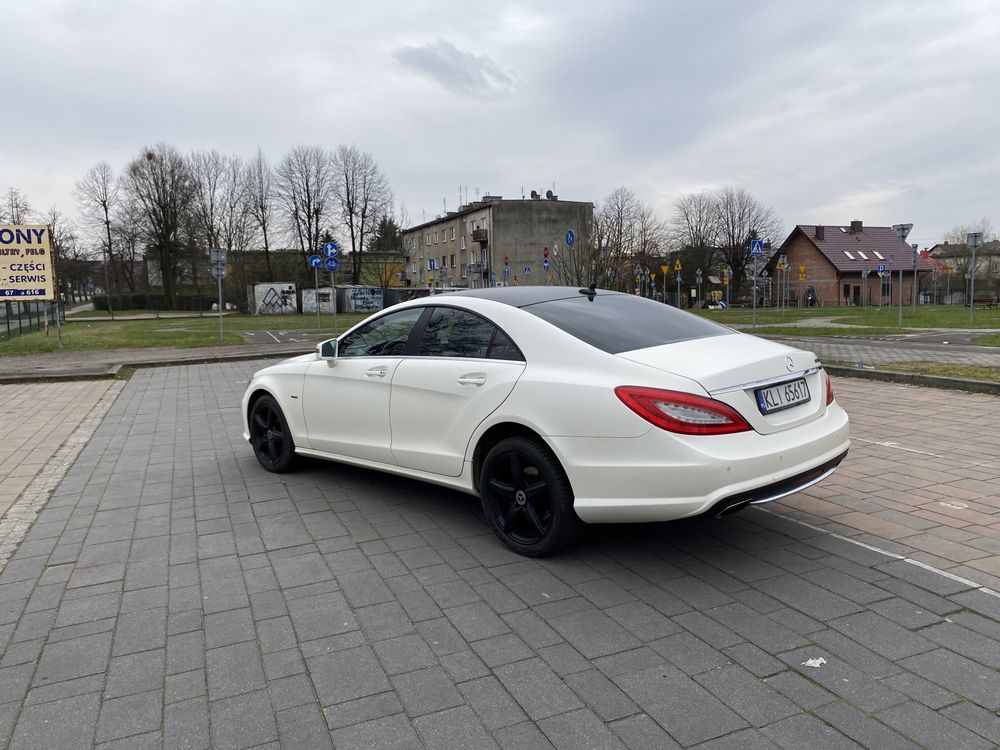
{"x":464,"y":368}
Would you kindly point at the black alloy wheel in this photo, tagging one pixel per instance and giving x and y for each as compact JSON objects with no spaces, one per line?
{"x":270,"y":437}
{"x":527,"y":497}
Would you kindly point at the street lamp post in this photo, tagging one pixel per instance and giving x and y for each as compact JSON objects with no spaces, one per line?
{"x":902,"y":231}
{"x":697,"y":276}
{"x":973,"y":240}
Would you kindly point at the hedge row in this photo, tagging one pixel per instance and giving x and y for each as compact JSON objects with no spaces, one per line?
{"x":143,"y":301}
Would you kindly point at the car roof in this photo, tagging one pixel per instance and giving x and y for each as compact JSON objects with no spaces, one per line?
{"x":522,"y":296}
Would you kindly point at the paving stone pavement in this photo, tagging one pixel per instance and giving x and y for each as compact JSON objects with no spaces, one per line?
{"x":172,"y":594}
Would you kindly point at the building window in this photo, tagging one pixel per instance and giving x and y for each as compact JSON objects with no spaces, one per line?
{"x":863,"y":256}
{"x":878,"y":255}
{"x":453,"y":232}
{"x":463,"y":242}
{"x":463,"y":271}
{"x":427,"y":238}
{"x":848,"y":254}
{"x":453,"y":260}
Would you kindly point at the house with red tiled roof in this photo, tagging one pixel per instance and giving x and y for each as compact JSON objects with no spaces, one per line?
{"x":839,"y":266}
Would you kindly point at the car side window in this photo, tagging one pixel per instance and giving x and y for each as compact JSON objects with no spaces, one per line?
{"x":456,"y":333}
{"x":385,"y":336}
{"x":503,"y":348}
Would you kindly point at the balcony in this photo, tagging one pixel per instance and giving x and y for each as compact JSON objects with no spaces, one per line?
{"x":477,"y":268}
{"x":480,"y":235}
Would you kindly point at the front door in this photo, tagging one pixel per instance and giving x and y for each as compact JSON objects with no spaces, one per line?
{"x":346,"y":400}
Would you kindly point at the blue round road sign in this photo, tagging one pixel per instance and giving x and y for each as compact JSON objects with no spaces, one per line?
{"x":570,"y":237}
{"x":315,"y":261}
{"x":331,"y":249}
{"x":545,"y":264}
{"x":332,"y":264}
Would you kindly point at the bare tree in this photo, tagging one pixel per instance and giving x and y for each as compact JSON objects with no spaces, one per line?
{"x":694,"y":230}
{"x":958,"y":234}
{"x":260,"y":204}
{"x":622,"y":231}
{"x":363,"y":197}
{"x":160,"y":180}
{"x":694,"y":221}
{"x":739,"y":218}
{"x":67,"y":256}
{"x":97,"y":199}
{"x":236,"y":225}
{"x":127,"y":234}
{"x":304,"y":191}
{"x":208,"y":170}
{"x":960,"y":255}
{"x":15,"y":208}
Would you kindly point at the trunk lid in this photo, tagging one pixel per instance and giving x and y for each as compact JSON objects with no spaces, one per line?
{"x":733,"y":368}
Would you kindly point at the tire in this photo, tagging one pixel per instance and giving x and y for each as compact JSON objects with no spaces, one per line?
{"x":527,"y":497}
{"x":270,"y":437}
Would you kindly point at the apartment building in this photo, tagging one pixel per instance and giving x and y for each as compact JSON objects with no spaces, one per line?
{"x":495,"y":242}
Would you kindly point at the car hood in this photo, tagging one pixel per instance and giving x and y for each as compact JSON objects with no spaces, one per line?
{"x":725,"y":361}
{"x":310,"y":357}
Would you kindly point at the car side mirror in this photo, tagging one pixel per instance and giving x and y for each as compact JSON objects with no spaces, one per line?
{"x":327,"y":349}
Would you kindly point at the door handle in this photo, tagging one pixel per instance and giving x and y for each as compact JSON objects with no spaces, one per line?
{"x":473,"y":378}
{"x":377,"y":372}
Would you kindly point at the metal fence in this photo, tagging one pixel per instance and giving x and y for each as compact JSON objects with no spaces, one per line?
{"x":19,"y":318}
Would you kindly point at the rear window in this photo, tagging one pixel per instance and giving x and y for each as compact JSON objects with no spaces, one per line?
{"x":622,"y":322}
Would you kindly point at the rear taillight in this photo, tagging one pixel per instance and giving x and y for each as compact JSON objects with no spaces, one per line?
{"x":829,"y":388}
{"x":683,"y":413}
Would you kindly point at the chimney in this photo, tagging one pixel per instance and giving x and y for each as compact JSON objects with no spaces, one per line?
{"x":857,"y":226}
{"x":820,"y":232}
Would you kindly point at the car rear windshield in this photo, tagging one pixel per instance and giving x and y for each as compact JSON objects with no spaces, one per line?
{"x":623,"y":322}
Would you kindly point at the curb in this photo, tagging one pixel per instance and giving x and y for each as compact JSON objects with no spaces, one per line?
{"x":912,"y":378}
{"x":116,"y":370}
{"x":111,"y":372}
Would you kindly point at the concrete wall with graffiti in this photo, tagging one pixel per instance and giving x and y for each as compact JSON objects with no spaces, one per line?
{"x":274,"y":298}
{"x":359,"y":299}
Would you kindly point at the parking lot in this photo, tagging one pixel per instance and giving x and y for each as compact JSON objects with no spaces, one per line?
{"x":171,"y":593}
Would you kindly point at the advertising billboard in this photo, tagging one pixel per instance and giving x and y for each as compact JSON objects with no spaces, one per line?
{"x":26,"y":271}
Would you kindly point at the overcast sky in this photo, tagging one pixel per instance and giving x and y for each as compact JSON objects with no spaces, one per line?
{"x":827,"y":111}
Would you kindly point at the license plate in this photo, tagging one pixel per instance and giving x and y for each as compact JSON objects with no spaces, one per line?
{"x":783,"y":396}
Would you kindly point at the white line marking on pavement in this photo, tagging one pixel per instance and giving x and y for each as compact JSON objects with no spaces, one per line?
{"x":897,"y":446}
{"x":273,"y":336}
{"x":887,"y":553}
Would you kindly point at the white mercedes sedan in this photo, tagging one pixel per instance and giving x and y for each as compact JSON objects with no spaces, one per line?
{"x":557,"y":406}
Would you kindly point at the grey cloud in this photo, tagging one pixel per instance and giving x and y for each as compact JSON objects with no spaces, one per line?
{"x":456,"y":69}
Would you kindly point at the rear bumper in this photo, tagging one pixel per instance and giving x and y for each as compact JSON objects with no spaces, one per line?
{"x":777,"y":490}
{"x":661,"y":476}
